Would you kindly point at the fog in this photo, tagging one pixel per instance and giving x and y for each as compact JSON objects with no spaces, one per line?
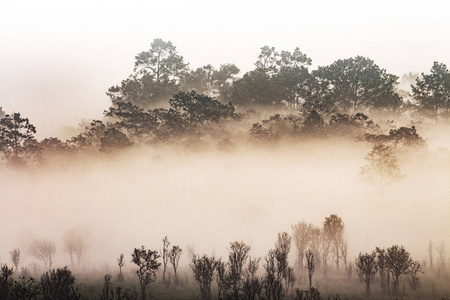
{"x":206,"y":199}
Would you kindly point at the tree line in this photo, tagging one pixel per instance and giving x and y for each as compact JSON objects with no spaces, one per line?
{"x":238,"y":276}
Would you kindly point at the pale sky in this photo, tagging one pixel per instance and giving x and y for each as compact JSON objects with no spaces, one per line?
{"x":58,"y":58}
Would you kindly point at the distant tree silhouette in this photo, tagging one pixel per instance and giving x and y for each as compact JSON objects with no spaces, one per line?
{"x":174,"y":258}
{"x":398,"y":261}
{"x":367,"y":267}
{"x":203,"y":268}
{"x":334,"y":230}
{"x":164,"y":253}
{"x":15,"y":257}
{"x":44,"y":251}
{"x":311,"y":264}
{"x":382,"y":167}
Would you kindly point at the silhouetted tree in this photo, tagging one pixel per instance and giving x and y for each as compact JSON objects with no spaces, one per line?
{"x":120,"y":263}
{"x":161,"y":61}
{"x":433,"y":90}
{"x":334,"y":230}
{"x":174,"y":258}
{"x":441,"y":260}
{"x":311,"y":264}
{"x":273,"y":284}
{"x":356,"y":83}
{"x":15,"y":257}
{"x":58,"y":285}
{"x":383,"y":269}
{"x":312,"y":294}
{"x":367,"y":267}
{"x":237,"y":256}
{"x":17,"y":142}
{"x":108,"y":292}
{"x":398,"y":261}
{"x":147,"y":262}
{"x":5,"y":281}
{"x":43,"y":250}
{"x":414,"y":268}
{"x":25,"y":288}
{"x":203,"y":268}
{"x":165,"y":256}
{"x":253,"y":285}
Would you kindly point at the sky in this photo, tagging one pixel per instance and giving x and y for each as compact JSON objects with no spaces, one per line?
{"x":58,"y":58}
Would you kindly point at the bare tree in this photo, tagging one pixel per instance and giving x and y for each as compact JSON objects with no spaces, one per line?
{"x":237,"y":256}
{"x":441,"y":259}
{"x":414,"y":268}
{"x":301,"y":234}
{"x":15,"y":257}
{"x":43,"y":250}
{"x":203,"y":268}
{"x":221,"y":278}
{"x":273,"y":284}
{"x":76,"y":241}
{"x":147,"y":262}
{"x":311,"y":263}
{"x":430,"y":253}
{"x":334,"y":230}
{"x":121,"y":263}
{"x":367,"y":267}
{"x":383,"y":269}
{"x":398,"y":260}
{"x":253,"y":285}
{"x":174,"y":257}
{"x":165,"y":255}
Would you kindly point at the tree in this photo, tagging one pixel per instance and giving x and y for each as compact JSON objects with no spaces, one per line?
{"x":311,"y":263}
{"x":174,"y":257}
{"x":433,"y":90}
{"x":76,"y":242}
{"x":112,"y":140}
{"x":43,"y":250}
{"x":414,"y":268}
{"x":58,"y":284}
{"x":108,"y":292}
{"x":382,"y":167}
{"x":356,"y":83}
{"x":147,"y":262}
{"x":120,"y":263}
{"x":237,"y":256}
{"x":334,"y":230}
{"x":430,"y":254}
{"x":273,"y":284}
{"x":165,"y":255}
{"x":15,"y":257}
{"x":200,"y":109}
{"x":398,"y":261}
{"x":5,"y":281}
{"x":203,"y":268}
{"x":253,"y":285}
{"x":367,"y":267}
{"x":383,"y":268}
{"x":17,"y":142}
{"x":294,"y":76}
{"x":161,"y":60}
{"x":282,"y":249}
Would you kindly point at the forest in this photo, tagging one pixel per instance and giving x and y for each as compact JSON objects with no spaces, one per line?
{"x":326,"y":183}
